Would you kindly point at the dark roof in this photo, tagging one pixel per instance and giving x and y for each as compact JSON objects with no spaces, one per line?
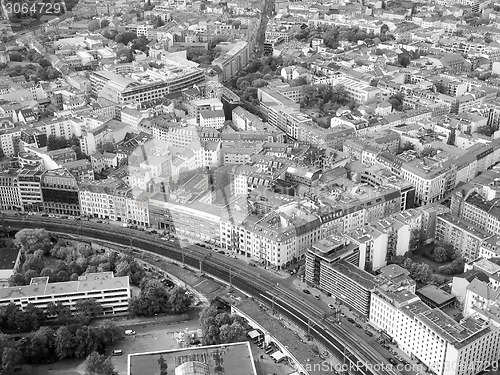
{"x":8,"y":258}
{"x":474,"y":274}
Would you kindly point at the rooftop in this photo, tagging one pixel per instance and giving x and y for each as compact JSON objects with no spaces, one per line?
{"x":40,"y":286}
{"x":457,"y":334}
{"x":234,"y":359}
{"x":436,"y":295}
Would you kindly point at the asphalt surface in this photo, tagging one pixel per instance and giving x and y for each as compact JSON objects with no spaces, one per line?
{"x":306,"y":313}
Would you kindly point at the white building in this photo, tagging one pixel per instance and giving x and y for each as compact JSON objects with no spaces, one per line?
{"x":212,"y":119}
{"x":445,"y":346}
{"x":112,"y":293}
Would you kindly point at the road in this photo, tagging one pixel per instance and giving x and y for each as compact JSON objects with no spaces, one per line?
{"x":265,"y":287}
{"x":266,"y":13}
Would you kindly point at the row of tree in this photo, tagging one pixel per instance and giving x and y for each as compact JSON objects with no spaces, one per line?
{"x":64,"y":261}
{"x":155,"y":298}
{"x":47,"y":345}
{"x":13,"y":319}
{"x":220,"y":327}
{"x":56,"y":143}
{"x":333,"y":35}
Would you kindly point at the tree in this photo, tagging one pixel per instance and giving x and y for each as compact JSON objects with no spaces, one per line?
{"x":485,"y":130}
{"x":97,"y":364}
{"x":180,"y":300}
{"x":65,"y":343}
{"x":94,"y":25}
{"x":420,"y":272}
{"x":428,"y":152}
{"x":404,"y":59}
{"x":56,"y":143}
{"x":232,"y":333}
{"x":87,"y":309}
{"x":454,"y":268}
{"x":42,"y":345}
{"x":125,"y":37}
{"x":396,"y":102}
{"x":30,"y":240}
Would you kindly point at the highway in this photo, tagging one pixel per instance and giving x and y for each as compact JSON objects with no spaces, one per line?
{"x":260,"y":285}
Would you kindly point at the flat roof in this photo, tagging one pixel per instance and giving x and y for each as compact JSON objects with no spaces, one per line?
{"x":436,"y":295}
{"x":234,"y":359}
{"x":8,"y":257}
{"x":40,"y":286}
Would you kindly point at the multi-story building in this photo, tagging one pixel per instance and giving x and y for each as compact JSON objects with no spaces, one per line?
{"x":193,"y":219}
{"x":60,"y":192}
{"x":145,"y":86}
{"x":233,"y":60}
{"x":9,"y":190}
{"x":103,"y":199}
{"x":443,"y":345}
{"x":466,"y":238}
{"x":112,"y":293}
{"x":212,"y":119}
{"x":30,"y":190}
{"x":433,"y":179}
{"x":476,"y":202}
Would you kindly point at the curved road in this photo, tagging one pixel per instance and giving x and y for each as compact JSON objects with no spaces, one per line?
{"x":254,"y":282}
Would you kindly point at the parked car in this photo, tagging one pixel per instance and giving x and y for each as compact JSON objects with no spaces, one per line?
{"x":117,"y":352}
{"x":342,"y":314}
{"x":392,"y":361}
{"x":331,"y":306}
{"x":350,"y":320}
{"x":129,"y":332}
{"x":317,"y":296}
{"x":306,"y":291}
{"x":45,"y":215}
{"x":99,"y":221}
{"x":358,"y":325}
{"x":386,"y":347}
{"x":368,"y":333}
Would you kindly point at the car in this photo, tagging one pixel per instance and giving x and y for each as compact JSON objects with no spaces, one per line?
{"x":99,"y":221}
{"x":125,"y":225}
{"x":342,"y":315}
{"x":331,"y":306}
{"x":317,"y":296}
{"x":350,"y":320}
{"x":399,"y":358}
{"x":358,"y":325}
{"x":385,"y":346}
{"x":368,"y":333}
{"x":45,"y":215}
{"x":392,"y":361}
{"x":153,"y":232}
{"x":129,"y":332}
{"x":117,"y":352}
{"x":252,"y":264}
{"x":221,"y":251}
{"x":306,"y":291}
{"x":64,"y":217}
{"x":392,"y":351}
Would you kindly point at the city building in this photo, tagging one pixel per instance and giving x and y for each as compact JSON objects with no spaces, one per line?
{"x":234,"y":358}
{"x":60,"y":192}
{"x":112,"y":293}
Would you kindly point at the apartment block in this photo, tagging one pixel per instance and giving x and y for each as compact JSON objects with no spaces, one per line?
{"x":60,"y":192}
{"x":112,"y":293}
{"x":445,"y":346}
{"x":466,"y":238}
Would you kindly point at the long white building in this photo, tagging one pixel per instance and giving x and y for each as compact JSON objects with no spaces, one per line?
{"x":112,"y":293}
{"x":443,"y":345}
